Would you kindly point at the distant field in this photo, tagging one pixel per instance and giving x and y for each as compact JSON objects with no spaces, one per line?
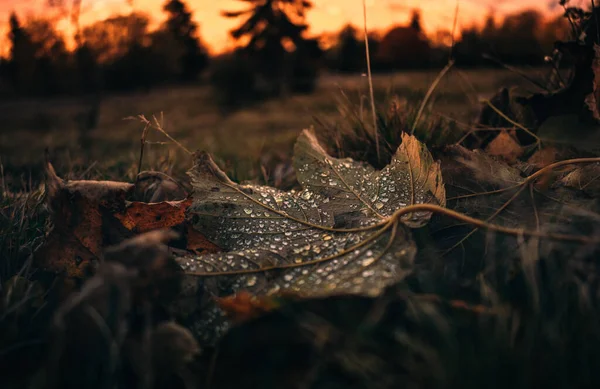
{"x":190,"y":116}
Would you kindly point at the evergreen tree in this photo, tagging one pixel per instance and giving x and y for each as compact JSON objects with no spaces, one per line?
{"x":274,"y":28}
{"x":415,"y":21}
{"x":21,"y":66}
{"x":185,"y":31}
{"x":350,"y":56}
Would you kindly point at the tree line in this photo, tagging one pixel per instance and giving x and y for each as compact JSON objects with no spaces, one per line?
{"x":122,"y":53}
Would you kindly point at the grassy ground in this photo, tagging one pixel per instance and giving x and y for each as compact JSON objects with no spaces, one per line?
{"x":239,"y":139}
{"x":441,"y":346}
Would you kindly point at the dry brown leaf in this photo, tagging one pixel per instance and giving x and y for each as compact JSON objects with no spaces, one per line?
{"x":505,"y":147}
{"x":79,"y":210}
{"x":244,"y":306}
{"x":88,"y":216}
{"x":543,"y":157}
{"x":154,"y":187}
{"x":141,"y":217}
{"x":584,"y":178}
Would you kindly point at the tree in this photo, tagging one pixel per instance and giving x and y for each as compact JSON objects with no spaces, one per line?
{"x":112,"y":38}
{"x":21,"y":66}
{"x":274,"y":29}
{"x":415,"y":21}
{"x":185,"y":31}
{"x":403,"y":47}
{"x":121,"y":47}
{"x":349,"y":51}
{"x":518,"y":38}
{"x":52,"y":59}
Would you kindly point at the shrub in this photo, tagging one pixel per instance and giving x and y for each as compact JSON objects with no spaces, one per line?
{"x":233,"y":82}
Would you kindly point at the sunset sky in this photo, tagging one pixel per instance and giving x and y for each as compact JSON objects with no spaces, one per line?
{"x":326,"y":16}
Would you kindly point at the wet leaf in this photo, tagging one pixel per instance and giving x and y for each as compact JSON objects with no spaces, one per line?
{"x":336,"y":236}
{"x":412,"y":177}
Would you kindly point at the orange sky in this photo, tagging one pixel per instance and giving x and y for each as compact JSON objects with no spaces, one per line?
{"x":327,"y":15}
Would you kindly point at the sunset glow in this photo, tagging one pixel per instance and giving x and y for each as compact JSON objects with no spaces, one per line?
{"x":326,"y":16}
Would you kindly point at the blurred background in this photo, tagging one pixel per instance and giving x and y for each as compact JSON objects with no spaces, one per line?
{"x":240,"y":78}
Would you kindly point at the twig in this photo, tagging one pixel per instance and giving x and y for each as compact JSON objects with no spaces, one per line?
{"x":492,"y":227}
{"x":517,"y":71}
{"x":514,"y":123}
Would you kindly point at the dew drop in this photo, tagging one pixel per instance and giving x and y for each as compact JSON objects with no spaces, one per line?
{"x":247,"y":211}
{"x":251,"y":281}
{"x":368,"y":261}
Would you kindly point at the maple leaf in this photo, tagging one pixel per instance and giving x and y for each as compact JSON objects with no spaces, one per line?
{"x":489,"y":189}
{"x":336,"y":236}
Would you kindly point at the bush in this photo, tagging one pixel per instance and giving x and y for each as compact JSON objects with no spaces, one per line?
{"x":233,"y":82}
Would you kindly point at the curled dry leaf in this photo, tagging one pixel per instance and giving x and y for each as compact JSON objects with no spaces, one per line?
{"x":141,"y":217}
{"x":584,"y":178}
{"x":91,"y":215}
{"x":154,"y":187}
{"x":506,"y":147}
{"x":336,"y":236}
{"x":80,"y":210}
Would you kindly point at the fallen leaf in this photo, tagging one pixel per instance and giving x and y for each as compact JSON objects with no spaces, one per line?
{"x":506,"y":147}
{"x":79,"y":210}
{"x":336,"y":236}
{"x":584,"y":178}
{"x":543,"y":157}
{"x":474,"y":260}
{"x":154,"y":187}
{"x":142,"y":217}
{"x":89,"y":216}
{"x":244,"y":306}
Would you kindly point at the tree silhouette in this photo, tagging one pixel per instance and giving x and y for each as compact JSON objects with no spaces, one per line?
{"x":185,"y":31}
{"x":415,"y":21}
{"x":349,"y":51}
{"x":403,"y":47}
{"x":52,"y":59}
{"x":273,"y":29}
{"x":21,"y":66}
